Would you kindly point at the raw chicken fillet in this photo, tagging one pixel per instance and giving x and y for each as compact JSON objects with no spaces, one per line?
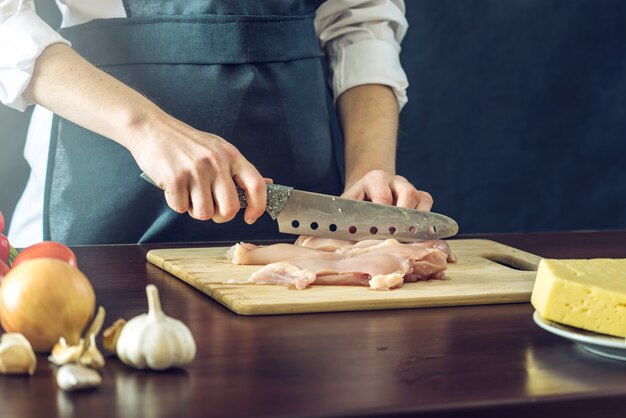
{"x":379,"y":264}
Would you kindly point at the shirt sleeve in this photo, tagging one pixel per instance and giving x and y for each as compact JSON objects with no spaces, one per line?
{"x":23,"y":37}
{"x":361,"y":39}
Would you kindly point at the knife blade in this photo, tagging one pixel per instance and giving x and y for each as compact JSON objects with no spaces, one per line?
{"x":306,"y":213}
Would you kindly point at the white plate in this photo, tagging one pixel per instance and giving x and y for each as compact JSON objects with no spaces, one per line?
{"x":600,"y":344}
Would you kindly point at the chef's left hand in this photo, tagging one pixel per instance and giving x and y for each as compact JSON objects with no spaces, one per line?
{"x":378,"y":186}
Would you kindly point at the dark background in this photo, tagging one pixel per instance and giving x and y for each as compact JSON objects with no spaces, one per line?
{"x":516,"y":115}
{"x":516,"y":118}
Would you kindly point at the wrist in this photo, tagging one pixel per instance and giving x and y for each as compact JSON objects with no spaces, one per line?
{"x":139,"y":122}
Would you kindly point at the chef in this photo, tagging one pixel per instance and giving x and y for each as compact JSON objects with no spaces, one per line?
{"x":202,"y":96}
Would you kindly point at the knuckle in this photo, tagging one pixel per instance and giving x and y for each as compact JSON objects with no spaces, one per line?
{"x":175,"y":183}
{"x":257,"y":211}
{"x":259,"y":183}
{"x":207,"y":160}
{"x":202,"y":214}
{"x":220,"y":219}
{"x":229,"y":211}
{"x":230,"y":150}
{"x":412,"y":193}
{"x":425,"y":196}
{"x":176,"y":206}
{"x":226,"y":210}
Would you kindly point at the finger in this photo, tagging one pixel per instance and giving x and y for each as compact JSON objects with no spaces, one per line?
{"x":253,"y":185}
{"x":202,"y":204}
{"x":226,"y":199}
{"x":177,"y":196}
{"x":377,"y":189}
{"x":355,"y":191}
{"x":406,"y":195}
{"x":425,"y":201}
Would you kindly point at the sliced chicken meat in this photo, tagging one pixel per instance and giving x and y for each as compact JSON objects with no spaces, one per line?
{"x":336,"y":245}
{"x":386,"y":271}
{"x":381,"y":264}
{"x":249,"y":254}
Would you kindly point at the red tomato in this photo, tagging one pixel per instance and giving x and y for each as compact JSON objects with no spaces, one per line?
{"x":1,"y":223}
{"x":46,"y":249}
{"x":5,"y":249}
{"x":4,"y":269}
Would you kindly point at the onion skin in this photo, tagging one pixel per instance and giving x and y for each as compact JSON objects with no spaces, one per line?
{"x":45,"y":299}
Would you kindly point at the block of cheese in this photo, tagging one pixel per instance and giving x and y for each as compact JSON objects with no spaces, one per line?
{"x":588,"y":294}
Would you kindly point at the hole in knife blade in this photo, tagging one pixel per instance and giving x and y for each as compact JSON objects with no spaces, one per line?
{"x":332,"y":227}
{"x":373,"y":230}
{"x":392,"y":230}
{"x":295,"y":223}
{"x":432,"y":229}
{"x":352,"y":229}
{"x":412,"y":230}
{"x":314,"y":225}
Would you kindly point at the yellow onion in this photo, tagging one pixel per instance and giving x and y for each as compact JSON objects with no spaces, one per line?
{"x":45,"y":299}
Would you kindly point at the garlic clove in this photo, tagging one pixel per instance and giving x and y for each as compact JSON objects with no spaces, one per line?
{"x":75,"y":377}
{"x":16,"y":355}
{"x":96,"y":325}
{"x":92,"y":357}
{"x":111,"y":334}
{"x":62,"y":353}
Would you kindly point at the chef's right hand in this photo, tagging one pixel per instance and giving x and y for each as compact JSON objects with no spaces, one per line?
{"x":198,"y":171}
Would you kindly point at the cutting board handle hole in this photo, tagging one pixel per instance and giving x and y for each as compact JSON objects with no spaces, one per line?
{"x":511,"y":262}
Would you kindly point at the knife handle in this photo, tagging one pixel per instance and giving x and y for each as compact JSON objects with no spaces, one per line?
{"x":277,"y":196}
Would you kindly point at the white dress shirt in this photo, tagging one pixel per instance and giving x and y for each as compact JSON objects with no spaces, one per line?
{"x":361,"y":40}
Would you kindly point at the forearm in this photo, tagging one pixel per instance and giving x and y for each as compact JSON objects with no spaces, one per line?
{"x":71,"y":87}
{"x":369,"y":118}
{"x":195,"y":169}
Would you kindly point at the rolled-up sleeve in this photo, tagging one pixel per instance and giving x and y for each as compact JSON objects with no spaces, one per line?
{"x":23,"y":37}
{"x":361,"y":39}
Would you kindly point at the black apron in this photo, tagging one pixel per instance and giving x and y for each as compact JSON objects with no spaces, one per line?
{"x":249,"y":71}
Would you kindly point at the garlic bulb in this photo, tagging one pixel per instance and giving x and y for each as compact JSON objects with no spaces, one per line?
{"x":154,"y":340}
{"x":16,"y":355}
{"x":75,"y":377}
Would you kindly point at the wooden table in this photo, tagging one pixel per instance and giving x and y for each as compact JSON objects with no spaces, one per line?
{"x":484,"y":361}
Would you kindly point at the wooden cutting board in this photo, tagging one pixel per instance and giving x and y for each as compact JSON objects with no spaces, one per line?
{"x":486,"y":272}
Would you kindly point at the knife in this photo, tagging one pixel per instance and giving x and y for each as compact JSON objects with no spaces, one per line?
{"x":306,"y":213}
